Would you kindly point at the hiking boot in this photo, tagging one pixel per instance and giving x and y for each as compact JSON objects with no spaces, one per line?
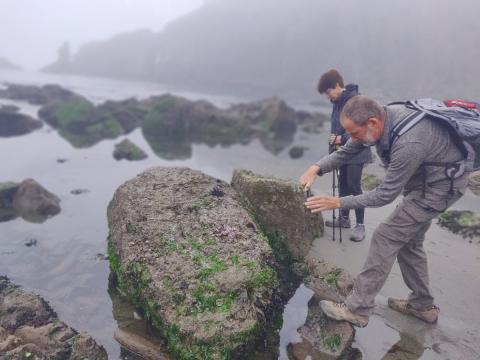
{"x":339,"y":222}
{"x":340,"y":312}
{"x":430,"y":315}
{"x":358,"y":233}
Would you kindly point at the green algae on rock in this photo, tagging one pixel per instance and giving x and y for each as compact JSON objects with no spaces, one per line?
{"x":129,"y":151}
{"x":193,"y":261}
{"x":465,"y":223}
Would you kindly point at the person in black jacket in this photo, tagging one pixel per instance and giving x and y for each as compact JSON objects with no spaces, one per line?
{"x":331,"y":84}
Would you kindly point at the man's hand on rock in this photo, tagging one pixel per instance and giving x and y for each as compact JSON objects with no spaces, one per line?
{"x":309,"y":176}
{"x":322,"y":202}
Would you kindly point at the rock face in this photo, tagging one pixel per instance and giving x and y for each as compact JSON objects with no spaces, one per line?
{"x":29,"y":200}
{"x":15,"y":124}
{"x":279,"y":208}
{"x":474,"y":182}
{"x":30,"y":329}
{"x":128,"y":150}
{"x":184,"y":249}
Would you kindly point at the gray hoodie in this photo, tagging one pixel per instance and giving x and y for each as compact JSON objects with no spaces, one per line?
{"x":427,"y":141}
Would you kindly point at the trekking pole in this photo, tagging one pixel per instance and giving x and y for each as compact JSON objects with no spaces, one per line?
{"x":339,"y":210}
{"x":333,"y":211}
{"x":331,"y":149}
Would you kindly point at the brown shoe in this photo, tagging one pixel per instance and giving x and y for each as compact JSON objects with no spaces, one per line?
{"x":430,"y":315}
{"x":340,"y":312}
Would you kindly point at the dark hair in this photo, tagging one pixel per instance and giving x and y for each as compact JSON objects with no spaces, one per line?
{"x":360,"y":108}
{"x":329,"y":80}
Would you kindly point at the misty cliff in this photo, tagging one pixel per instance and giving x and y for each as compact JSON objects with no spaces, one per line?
{"x":7,"y":64}
{"x":258,"y":48}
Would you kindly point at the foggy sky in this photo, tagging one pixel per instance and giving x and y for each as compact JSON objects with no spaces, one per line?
{"x":31,"y":31}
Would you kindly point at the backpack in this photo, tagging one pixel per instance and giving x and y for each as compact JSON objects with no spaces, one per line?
{"x":462,"y":120}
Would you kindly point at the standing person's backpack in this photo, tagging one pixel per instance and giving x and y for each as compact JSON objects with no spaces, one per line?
{"x":460,"y":117}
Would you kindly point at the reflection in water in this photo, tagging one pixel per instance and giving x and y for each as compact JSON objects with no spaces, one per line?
{"x":322,"y":338}
{"x":407,"y":348}
{"x":136,"y":330}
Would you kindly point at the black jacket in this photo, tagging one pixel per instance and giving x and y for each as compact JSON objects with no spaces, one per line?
{"x":336,"y":127}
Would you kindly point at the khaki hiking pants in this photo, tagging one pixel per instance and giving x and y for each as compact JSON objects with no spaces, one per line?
{"x":401,"y":237}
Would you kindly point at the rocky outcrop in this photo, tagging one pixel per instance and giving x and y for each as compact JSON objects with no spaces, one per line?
{"x":13,"y":123}
{"x":129,"y":151}
{"x":184,"y":249}
{"x":37,"y":95}
{"x":474,"y":183}
{"x":279,"y":209}
{"x":170,"y":124}
{"x":79,"y":122}
{"x":28,"y":200}
{"x":174,"y":123}
{"x":30,"y":329}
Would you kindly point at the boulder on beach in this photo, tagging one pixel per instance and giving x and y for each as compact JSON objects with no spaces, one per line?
{"x":13,"y":123}
{"x":28,"y":200}
{"x":30,"y":329}
{"x":278,"y":206}
{"x":36,"y":95}
{"x":129,"y":151}
{"x":184,"y":249}
{"x":79,"y":122}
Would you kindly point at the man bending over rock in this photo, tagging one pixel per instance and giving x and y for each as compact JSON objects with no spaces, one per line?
{"x":427,"y":192}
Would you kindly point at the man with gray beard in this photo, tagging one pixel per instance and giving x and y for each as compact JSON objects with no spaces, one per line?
{"x":427,"y":190}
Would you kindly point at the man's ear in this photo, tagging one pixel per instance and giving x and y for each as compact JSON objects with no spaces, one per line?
{"x":373,"y":121}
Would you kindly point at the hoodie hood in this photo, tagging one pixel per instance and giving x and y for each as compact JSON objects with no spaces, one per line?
{"x":350,"y":91}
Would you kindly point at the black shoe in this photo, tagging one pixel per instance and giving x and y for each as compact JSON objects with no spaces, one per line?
{"x":339,"y":222}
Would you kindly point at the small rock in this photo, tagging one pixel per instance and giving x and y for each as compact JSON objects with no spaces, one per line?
{"x":31,"y":242}
{"x":61,"y":160}
{"x":129,"y":151}
{"x":217,"y":191}
{"x":101,"y":257}
{"x":79,"y":191}
{"x":296,"y":152}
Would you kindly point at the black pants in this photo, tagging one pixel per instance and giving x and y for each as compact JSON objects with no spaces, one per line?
{"x":349,"y":183}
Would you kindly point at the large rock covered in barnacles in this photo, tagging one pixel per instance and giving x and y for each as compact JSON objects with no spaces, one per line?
{"x":278,"y":206}
{"x":184,"y":249}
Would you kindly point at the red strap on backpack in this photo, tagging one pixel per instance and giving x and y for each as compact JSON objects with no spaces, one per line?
{"x":461,"y":103}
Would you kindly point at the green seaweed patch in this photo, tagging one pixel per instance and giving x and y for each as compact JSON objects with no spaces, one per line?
{"x":332,"y":277}
{"x":464,"y":223}
{"x":279,"y":247}
{"x":332,"y":342}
